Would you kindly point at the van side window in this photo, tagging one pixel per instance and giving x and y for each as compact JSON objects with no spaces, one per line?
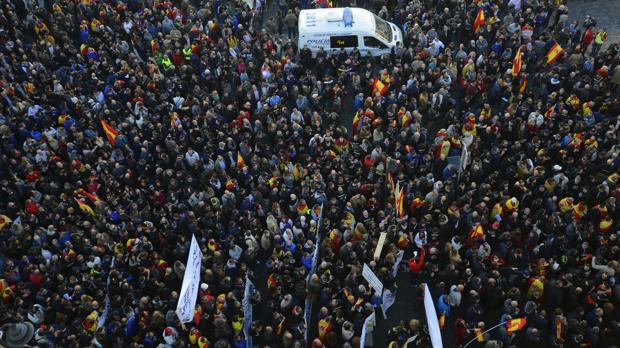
{"x":343,"y":41}
{"x":370,"y":41}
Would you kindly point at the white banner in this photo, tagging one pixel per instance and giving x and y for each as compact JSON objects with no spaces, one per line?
{"x":399,"y":258}
{"x":388,"y":300}
{"x":191,"y":283}
{"x":372,"y":279}
{"x":431,"y":319}
{"x":369,"y":325}
{"x":247,"y":311}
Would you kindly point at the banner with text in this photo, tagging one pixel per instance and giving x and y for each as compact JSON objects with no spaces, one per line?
{"x":191,"y":283}
{"x":431,"y":319}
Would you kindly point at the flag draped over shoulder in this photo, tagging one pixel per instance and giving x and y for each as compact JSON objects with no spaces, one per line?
{"x":554,"y":53}
{"x":479,"y":21}
{"x":110,"y":132}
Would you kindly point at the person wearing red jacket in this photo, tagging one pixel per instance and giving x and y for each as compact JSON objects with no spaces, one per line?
{"x":416,"y":264}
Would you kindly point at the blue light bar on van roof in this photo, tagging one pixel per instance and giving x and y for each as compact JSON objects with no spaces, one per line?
{"x":347,"y":17}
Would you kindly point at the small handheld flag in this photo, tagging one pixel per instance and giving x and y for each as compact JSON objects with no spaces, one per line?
{"x":554,"y":53}
{"x":517,"y":63}
{"x":516,"y":324}
{"x":110,"y":132}
{"x":240,"y":161}
{"x":479,"y":21}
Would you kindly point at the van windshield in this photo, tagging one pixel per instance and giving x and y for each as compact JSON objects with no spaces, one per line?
{"x":383,"y":29}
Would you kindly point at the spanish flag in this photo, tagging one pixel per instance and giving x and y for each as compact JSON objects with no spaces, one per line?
{"x":399,"y":203}
{"x":356,"y":123}
{"x":379,"y":87}
{"x":522,"y":86}
{"x":479,"y":21}
{"x":549,"y":111}
{"x":605,"y":225}
{"x":92,"y":197}
{"x":197,"y":314}
{"x":90,"y":322}
{"x":85,"y":207}
{"x":405,"y":121}
{"x":110,"y":132}
{"x":515,"y":324}
{"x":442,"y":321}
{"x":479,"y":335}
{"x":240,"y":161}
{"x":558,"y":328}
{"x":554,"y":53}
{"x":517,"y":63}
{"x":391,"y":181}
{"x":4,"y":220}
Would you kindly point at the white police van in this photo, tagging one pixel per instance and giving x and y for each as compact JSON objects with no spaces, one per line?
{"x":336,"y":28}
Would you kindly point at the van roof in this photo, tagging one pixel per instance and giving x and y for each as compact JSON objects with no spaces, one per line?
{"x":331,"y":20}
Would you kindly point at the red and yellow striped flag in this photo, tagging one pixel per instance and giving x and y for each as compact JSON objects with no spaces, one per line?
{"x":479,"y":21}
{"x":399,"y":203}
{"x":516,"y":324}
{"x":558,"y":328}
{"x":356,"y":123}
{"x":85,"y":207}
{"x":391,"y":181}
{"x":517,"y":63}
{"x":442,"y":321}
{"x":240,"y":160}
{"x":522,"y":86}
{"x":554,"y":53}
{"x":379,"y":87}
{"x":110,"y":132}
{"x":549,"y":111}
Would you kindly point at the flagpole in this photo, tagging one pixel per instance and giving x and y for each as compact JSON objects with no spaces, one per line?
{"x":475,"y":338}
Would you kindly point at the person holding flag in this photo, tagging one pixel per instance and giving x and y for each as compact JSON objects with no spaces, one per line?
{"x":479,"y":20}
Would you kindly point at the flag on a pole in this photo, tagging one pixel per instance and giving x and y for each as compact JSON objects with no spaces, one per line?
{"x":517,"y":63}
{"x":515,"y":324}
{"x":240,"y":160}
{"x":85,"y":207}
{"x":479,"y":21}
{"x":554,"y":53}
{"x":110,"y":132}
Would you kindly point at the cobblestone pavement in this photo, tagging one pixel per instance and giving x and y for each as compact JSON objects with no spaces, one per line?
{"x":606,"y":13}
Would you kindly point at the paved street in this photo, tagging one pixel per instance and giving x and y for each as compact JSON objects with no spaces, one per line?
{"x":606,"y":12}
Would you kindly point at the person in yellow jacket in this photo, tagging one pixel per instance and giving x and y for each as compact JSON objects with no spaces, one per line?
{"x":512,"y":204}
{"x":566,"y":204}
{"x":599,"y":39}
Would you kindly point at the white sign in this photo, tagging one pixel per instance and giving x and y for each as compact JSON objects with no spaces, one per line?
{"x":399,"y":258}
{"x":431,"y":319}
{"x":379,"y":247}
{"x":369,"y":325}
{"x":191,"y":283}
{"x":389,"y":298}
{"x":372,"y":279}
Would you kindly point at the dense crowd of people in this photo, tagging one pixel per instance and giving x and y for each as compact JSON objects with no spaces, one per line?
{"x":128,"y":127}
